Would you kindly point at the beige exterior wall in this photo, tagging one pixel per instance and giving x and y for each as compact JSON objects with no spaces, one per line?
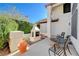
{"x":43,"y":28}
{"x":63,"y":24}
{"x":57,"y":27}
{"x":56,"y":11}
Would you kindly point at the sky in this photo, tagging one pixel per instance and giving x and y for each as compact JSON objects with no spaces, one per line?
{"x":34,"y":11}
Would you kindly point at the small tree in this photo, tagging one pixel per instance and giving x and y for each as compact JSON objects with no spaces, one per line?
{"x":25,"y":26}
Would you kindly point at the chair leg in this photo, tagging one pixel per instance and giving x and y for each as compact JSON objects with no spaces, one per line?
{"x":54,"y":53}
{"x":54,"y":50}
{"x":49,"y":52}
{"x":64,"y":52}
{"x":69,"y":49}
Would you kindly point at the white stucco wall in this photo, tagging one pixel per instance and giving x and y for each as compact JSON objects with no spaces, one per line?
{"x":43,"y":28}
{"x":63,"y":24}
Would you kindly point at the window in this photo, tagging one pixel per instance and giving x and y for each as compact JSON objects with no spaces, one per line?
{"x":37,"y":33}
{"x":66,"y":7}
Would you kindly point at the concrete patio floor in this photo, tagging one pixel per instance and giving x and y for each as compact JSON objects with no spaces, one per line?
{"x":41,"y":49}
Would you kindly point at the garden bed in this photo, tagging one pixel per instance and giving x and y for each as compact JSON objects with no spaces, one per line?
{"x":5,"y":50}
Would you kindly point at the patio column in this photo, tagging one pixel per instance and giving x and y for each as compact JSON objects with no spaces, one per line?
{"x":34,"y":34}
{"x":49,"y":21}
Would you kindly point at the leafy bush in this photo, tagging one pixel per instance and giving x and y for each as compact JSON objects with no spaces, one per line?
{"x":25,"y":26}
{"x":6,"y":25}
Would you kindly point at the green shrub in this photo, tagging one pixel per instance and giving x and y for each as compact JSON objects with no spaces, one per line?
{"x":6,"y":25}
{"x":25,"y":26}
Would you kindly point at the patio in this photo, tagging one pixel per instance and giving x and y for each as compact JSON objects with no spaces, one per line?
{"x":41,"y":49}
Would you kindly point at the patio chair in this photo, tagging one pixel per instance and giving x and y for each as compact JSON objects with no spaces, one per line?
{"x":60,"y":38}
{"x":59,"y":48}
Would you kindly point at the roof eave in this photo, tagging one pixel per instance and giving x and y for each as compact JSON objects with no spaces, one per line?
{"x":53,"y":4}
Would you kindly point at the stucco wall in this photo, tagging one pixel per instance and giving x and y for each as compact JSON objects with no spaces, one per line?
{"x":56,"y":11}
{"x":43,"y":28}
{"x":63,"y":24}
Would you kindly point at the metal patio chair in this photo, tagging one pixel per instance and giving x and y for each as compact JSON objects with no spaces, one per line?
{"x":60,"y":48}
{"x":60,"y":38}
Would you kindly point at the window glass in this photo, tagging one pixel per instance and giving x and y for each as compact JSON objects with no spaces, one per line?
{"x":66,"y":7}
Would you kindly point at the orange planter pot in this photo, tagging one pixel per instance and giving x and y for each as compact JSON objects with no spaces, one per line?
{"x":22,"y":46}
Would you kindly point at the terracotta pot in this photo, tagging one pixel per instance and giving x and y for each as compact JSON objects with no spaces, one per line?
{"x":22,"y":46}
